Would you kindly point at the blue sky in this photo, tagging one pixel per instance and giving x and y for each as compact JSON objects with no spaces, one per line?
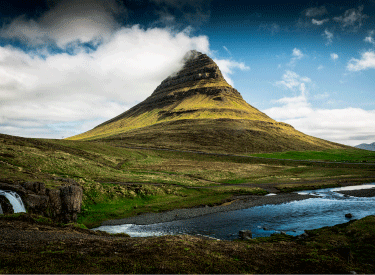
{"x":66,"y":66}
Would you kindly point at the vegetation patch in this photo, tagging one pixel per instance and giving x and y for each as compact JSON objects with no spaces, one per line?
{"x":339,"y":249}
{"x":335,"y":155}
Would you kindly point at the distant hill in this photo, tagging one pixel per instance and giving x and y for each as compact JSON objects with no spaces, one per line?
{"x":196,"y":109}
{"x":370,"y":146}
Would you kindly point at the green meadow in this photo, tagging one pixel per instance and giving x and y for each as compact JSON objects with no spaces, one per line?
{"x":120,"y":182}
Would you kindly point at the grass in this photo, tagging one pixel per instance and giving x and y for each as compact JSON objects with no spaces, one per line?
{"x":119,"y":182}
{"x":338,"y":249}
{"x":336,"y":155}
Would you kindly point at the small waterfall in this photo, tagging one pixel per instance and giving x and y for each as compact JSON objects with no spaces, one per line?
{"x":15,"y":201}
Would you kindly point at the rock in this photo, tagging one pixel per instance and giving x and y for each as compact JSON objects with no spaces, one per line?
{"x":348,"y":215}
{"x":54,"y":202}
{"x":283,"y":233}
{"x":5,"y":206}
{"x":71,"y":200}
{"x":36,"y":204}
{"x":59,"y":204}
{"x":71,"y":197}
{"x":245,"y":234}
{"x":36,"y":187}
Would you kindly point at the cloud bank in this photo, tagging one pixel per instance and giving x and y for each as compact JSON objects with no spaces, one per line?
{"x":40,"y":95}
{"x":350,"y":126}
{"x":96,"y":70}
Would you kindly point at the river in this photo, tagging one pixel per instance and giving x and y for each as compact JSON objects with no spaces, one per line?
{"x":327,"y":209}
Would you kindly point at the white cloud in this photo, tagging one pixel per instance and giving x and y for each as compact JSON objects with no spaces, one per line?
{"x":292,"y":107}
{"x":329,"y":36}
{"x":319,"y":22}
{"x":293,"y":81}
{"x":68,"y":21}
{"x":334,"y":56}
{"x":311,"y":12}
{"x":321,"y":67}
{"x":352,"y":18}
{"x":86,"y":87}
{"x":226,"y":66}
{"x":367,"y":61}
{"x":296,"y":55}
{"x":370,"y":38}
{"x":350,"y":126}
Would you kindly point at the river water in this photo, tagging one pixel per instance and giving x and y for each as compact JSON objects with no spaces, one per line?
{"x":327,"y":209}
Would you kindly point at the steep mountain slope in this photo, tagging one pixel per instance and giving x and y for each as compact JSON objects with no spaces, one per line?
{"x":197,"y":109}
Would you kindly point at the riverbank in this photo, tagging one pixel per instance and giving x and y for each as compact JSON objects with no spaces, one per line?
{"x":39,"y":246}
{"x":240,"y":202}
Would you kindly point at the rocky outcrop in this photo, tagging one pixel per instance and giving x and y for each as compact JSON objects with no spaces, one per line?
{"x":71,"y":200}
{"x":5,"y":206}
{"x":61,"y":204}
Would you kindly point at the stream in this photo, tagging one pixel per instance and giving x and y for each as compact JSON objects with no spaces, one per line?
{"x":327,"y":209}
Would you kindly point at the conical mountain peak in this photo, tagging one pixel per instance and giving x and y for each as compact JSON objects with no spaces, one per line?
{"x":196,"y":109}
{"x":199,"y":70}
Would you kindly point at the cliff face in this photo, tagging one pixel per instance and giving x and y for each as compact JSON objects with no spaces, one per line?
{"x":197,"y":109}
{"x":61,"y":204}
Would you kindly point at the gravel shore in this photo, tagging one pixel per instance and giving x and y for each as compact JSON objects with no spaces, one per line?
{"x":359,"y":193}
{"x":187,"y":213}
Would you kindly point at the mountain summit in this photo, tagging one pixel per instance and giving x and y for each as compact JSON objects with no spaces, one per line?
{"x":196,"y":109}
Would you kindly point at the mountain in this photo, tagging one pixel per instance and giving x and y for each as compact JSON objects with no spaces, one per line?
{"x":365,"y":146}
{"x":196,"y":109}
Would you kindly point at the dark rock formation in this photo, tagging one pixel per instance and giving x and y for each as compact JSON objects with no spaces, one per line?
{"x":348,"y":215}
{"x":61,"y":204}
{"x":71,"y":200}
{"x":245,"y":234}
{"x":5,"y":206}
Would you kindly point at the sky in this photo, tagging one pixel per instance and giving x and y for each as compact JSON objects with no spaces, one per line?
{"x":67,"y":66}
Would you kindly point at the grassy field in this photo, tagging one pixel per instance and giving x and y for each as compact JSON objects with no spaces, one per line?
{"x":339,"y":249}
{"x":120,"y":182}
{"x":349,"y":155}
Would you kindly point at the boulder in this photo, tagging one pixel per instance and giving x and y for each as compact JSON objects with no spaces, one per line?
{"x":5,"y":206}
{"x":348,"y":215}
{"x":245,"y":234}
